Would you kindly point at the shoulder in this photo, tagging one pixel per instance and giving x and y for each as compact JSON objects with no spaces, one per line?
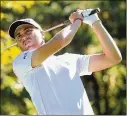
{"x":71,"y":57}
{"x":64,"y":56}
{"x":22,"y":63}
{"x":22,"y":57}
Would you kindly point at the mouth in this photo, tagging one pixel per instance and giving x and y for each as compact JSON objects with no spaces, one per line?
{"x":26,"y":42}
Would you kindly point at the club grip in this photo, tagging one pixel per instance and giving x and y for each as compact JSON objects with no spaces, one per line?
{"x":97,"y":10}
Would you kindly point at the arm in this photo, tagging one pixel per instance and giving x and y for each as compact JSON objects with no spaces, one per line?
{"x":59,"y":41}
{"x":111,"y":54}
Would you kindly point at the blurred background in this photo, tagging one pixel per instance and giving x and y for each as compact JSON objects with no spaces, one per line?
{"x":106,"y":89}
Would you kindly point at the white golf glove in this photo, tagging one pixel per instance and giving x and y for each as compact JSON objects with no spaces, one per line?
{"x":89,"y":19}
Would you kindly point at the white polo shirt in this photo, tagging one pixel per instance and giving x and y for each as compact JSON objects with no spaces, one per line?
{"x":55,"y":86}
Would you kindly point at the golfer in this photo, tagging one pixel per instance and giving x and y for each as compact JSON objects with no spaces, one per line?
{"x":53,"y":82}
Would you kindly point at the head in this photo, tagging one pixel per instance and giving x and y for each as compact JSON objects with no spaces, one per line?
{"x":28,"y":35}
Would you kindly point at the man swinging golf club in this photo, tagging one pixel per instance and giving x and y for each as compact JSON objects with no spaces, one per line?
{"x":53,"y":82}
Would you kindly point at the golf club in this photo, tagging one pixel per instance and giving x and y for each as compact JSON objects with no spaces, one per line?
{"x":67,"y":22}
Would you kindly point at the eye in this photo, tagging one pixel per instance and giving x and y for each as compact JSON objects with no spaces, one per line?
{"x":18,"y":38}
{"x":28,"y":31}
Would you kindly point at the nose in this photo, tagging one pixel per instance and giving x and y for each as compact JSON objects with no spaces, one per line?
{"x":24,"y":37}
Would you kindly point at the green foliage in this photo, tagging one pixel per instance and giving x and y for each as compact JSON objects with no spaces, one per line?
{"x":106,"y":89}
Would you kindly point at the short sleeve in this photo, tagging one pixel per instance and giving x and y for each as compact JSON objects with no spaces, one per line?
{"x":22,"y":64}
{"x":84,"y":61}
{"x":79,"y":62}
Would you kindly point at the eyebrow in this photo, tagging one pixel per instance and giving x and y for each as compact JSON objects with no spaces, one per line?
{"x":24,"y":30}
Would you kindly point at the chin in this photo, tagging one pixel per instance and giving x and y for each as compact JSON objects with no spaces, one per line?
{"x":31,"y":48}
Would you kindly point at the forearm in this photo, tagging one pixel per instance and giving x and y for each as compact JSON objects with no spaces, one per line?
{"x":67,"y":34}
{"x":109,"y":46}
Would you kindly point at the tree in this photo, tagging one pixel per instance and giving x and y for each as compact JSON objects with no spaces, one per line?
{"x":106,"y":89}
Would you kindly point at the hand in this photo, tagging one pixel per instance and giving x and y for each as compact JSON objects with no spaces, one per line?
{"x":75,"y":15}
{"x":89,"y":19}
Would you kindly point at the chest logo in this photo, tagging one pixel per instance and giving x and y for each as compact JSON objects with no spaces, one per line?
{"x":25,"y":55}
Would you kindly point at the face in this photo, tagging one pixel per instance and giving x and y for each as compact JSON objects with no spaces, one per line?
{"x":28,"y":37}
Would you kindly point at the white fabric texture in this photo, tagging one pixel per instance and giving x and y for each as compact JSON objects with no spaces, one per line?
{"x":55,"y":86}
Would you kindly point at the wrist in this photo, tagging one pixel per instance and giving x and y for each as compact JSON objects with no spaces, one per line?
{"x":97,"y":23}
{"x":80,"y":19}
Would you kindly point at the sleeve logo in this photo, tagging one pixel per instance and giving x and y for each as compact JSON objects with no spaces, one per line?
{"x":25,"y":55}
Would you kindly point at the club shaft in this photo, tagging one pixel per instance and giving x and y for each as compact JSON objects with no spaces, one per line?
{"x":67,"y":22}
{"x":8,"y":47}
{"x":57,"y":26}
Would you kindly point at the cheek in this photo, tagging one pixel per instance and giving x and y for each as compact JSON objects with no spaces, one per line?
{"x":37,"y":38}
{"x":21,"y":46}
